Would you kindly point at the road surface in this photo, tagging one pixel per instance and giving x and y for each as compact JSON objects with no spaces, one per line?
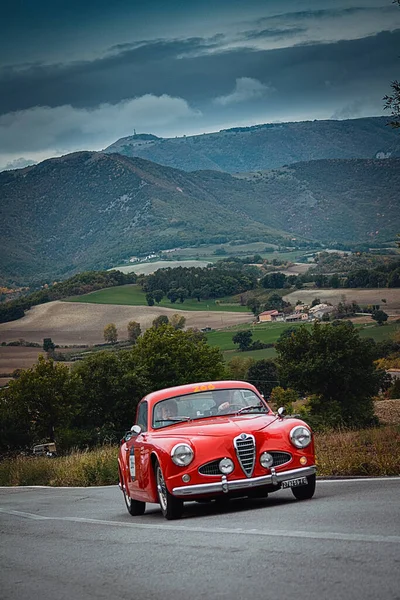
{"x":80,"y":543}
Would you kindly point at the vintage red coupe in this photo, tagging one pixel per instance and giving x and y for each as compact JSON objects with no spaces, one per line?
{"x":212,"y":441}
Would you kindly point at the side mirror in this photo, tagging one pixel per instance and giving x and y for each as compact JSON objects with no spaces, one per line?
{"x":136,"y":429}
{"x":281,"y":411}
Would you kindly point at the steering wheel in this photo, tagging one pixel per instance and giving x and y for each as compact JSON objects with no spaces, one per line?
{"x":229,"y":409}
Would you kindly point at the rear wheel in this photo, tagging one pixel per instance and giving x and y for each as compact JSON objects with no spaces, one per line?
{"x":305,"y":492}
{"x":171,"y":507}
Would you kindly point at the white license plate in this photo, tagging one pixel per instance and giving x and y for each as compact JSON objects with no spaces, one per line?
{"x":294,"y":482}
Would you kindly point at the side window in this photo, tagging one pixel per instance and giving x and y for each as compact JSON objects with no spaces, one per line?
{"x":142,"y":416}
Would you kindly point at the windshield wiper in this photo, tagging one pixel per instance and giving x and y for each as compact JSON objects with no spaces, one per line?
{"x":245,"y":408}
{"x":174,"y":419}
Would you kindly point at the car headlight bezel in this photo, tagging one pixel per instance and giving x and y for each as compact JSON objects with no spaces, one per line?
{"x":182,"y":454}
{"x":300,"y":436}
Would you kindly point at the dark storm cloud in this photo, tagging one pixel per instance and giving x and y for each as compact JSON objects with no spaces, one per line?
{"x":155,"y":68}
{"x":274,"y":33}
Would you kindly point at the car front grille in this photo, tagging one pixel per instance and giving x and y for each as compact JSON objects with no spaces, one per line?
{"x":245,"y":447}
{"x":211,"y":468}
{"x":280,"y":458}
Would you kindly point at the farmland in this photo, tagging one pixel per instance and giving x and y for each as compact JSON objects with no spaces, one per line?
{"x":133,"y":295}
{"x":363,"y":297}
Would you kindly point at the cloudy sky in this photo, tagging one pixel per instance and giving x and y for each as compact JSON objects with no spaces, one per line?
{"x":79,"y":75}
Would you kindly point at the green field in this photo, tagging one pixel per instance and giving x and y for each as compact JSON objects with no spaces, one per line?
{"x":133,"y":295}
{"x":270,"y":332}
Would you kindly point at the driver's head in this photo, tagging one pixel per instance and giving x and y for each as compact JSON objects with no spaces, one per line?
{"x":168,"y":409}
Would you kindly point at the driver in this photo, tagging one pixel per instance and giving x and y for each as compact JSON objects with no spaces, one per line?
{"x":166,"y":410}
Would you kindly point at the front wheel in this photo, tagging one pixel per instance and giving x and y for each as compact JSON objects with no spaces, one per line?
{"x":305,"y":492}
{"x":171,"y":507}
{"x":134,"y":507}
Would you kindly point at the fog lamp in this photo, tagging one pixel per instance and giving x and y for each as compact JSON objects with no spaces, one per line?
{"x":185,"y":478}
{"x":226,"y":466}
{"x":266,"y":460}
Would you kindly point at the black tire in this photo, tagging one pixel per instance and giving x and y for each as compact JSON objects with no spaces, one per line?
{"x":305,"y":492}
{"x":134,"y":507}
{"x":171,"y":507}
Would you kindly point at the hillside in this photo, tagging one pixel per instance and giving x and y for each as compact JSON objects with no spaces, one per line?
{"x":267,"y":146}
{"x":89,"y":210}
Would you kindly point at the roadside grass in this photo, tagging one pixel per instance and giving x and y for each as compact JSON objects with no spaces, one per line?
{"x":369,"y":452}
{"x":133,"y":295}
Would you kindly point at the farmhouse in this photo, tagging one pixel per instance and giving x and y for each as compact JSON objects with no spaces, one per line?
{"x":268,"y":316}
{"x":318,"y":311}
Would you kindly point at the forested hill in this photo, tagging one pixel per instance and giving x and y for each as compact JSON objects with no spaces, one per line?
{"x":267,"y":146}
{"x":89,"y":210}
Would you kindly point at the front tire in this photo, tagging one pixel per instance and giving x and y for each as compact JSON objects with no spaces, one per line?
{"x":134,"y":507}
{"x":171,"y":507}
{"x":305,"y":492}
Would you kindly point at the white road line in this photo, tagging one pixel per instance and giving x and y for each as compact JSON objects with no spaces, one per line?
{"x":327,"y":535}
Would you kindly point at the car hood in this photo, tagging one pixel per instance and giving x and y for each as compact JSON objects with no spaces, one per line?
{"x":221,"y":426}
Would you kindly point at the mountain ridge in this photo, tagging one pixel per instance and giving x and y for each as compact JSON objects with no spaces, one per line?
{"x":266,"y":146}
{"x":90,"y":210}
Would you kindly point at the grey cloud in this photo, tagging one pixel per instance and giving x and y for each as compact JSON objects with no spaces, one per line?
{"x":246,"y":89}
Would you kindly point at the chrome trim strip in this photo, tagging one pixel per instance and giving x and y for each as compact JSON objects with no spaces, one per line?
{"x":224,"y":485}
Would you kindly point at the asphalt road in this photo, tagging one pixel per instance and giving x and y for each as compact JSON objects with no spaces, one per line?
{"x":80,"y":543}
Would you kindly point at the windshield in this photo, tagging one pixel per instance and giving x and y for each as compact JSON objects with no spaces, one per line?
{"x":199,"y":405}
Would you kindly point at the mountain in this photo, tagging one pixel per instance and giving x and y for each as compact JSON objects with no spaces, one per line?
{"x":90,"y":210}
{"x":269,"y":146}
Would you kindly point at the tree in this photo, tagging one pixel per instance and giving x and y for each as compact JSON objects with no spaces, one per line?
{"x":110,"y":333}
{"x":34,"y":406}
{"x":283,"y":397}
{"x":150,"y":299}
{"x":243,"y":338}
{"x":392,"y":103}
{"x":264,"y":375}
{"x":160,"y":321}
{"x":274,"y":302}
{"x":239,"y":366}
{"x":254,"y":305}
{"x":315,"y":302}
{"x":178,"y":321}
{"x":134,"y":331}
{"x":48,"y":345}
{"x":379,"y":316}
{"x":173,"y":295}
{"x":158,"y":295}
{"x":274,"y":281}
{"x":168,"y":357}
{"x":334,"y":364}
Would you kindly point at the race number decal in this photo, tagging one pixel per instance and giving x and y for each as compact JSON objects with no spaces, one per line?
{"x":204,"y":388}
{"x":132,"y":469}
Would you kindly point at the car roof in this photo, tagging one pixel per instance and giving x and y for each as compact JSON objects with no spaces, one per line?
{"x":190,"y":388}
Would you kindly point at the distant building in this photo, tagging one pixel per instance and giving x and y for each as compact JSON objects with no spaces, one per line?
{"x":267,"y":316}
{"x":296,"y":317}
{"x":318,"y":311}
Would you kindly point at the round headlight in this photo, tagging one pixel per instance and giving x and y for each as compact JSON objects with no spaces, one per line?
{"x":182,"y":455}
{"x":266,"y":460}
{"x":300,"y":436}
{"x":226,"y":466}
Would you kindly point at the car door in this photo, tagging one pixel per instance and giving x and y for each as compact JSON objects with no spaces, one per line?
{"x":137,"y":465}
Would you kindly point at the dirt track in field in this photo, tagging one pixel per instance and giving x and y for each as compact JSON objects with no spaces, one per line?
{"x":69,"y":323}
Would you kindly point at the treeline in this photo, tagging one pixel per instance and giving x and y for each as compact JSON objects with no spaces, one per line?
{"x":200,"y":283}
{"x":95,"y":401}
{"x":79,"y":284}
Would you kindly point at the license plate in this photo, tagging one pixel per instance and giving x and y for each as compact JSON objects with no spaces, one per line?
{"x":294,"y":482}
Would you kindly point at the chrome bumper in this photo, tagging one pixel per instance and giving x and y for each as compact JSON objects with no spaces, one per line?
{"x":226,"y":486}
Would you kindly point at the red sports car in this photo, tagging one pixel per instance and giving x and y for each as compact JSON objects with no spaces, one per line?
{"x":212,"y":441}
